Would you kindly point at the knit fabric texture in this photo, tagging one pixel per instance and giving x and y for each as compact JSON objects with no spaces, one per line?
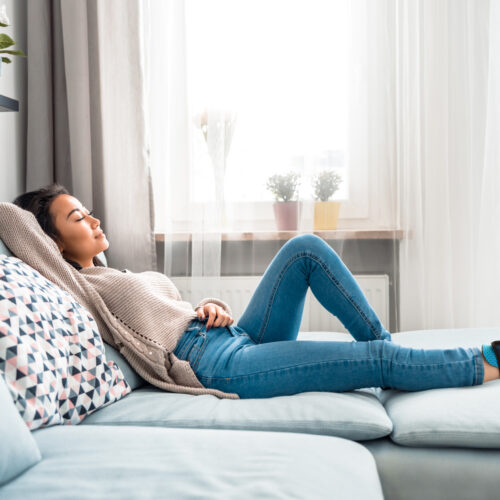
{"x":140,"y":314}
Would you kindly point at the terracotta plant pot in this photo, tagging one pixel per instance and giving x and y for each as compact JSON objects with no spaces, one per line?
{"x":326,"y":214}
{"x":287,"y":214}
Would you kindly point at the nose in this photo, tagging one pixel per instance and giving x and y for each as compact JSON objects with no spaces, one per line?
{"x":95,"y":221}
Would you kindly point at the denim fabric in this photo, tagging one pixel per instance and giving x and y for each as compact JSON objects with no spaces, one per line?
{"x":260,"y":356}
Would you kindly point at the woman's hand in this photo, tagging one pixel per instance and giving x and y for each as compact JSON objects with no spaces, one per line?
{"x":217,"y":316}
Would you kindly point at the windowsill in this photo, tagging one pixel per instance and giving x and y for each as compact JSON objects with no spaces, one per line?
{"x":335,"y":234}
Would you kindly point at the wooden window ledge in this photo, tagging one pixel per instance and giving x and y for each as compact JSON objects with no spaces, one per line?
{"x":335,"y":234}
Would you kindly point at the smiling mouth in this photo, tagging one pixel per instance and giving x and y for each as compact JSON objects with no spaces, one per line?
{"x":100,"y":235}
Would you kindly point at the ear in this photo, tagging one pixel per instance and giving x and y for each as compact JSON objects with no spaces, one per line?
{"x":59,"y":245}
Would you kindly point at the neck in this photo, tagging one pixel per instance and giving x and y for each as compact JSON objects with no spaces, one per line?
{"x":79,"y":264}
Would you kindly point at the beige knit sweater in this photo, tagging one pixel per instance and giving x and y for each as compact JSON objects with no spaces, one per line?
{"x":140,"y":314}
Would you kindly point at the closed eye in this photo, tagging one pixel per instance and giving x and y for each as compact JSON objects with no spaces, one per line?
{"x":90,"y":213}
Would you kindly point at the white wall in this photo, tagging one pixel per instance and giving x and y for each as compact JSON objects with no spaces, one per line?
{"x":13,"y":125}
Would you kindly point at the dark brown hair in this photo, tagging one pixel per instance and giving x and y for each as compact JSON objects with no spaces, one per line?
{"x":38,"y":202}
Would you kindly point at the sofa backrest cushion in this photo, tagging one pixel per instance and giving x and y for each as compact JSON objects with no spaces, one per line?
{"x":19,"y":450}
{"x":51,"y":353}
{"x":102,"y":258}
{"x":131,"y":376}
{"x":3,"y":249}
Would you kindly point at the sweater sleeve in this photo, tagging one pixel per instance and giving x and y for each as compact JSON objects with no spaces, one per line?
{"x":215,"y":301}
{"x":25,"y":238}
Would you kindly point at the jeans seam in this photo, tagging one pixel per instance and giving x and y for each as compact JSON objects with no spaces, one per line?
{"x":201,"y":350}
{"x":479,"y":366}
{"x":267,"y":315}
{"x":190,"y":342}
{"x":186,"y":347}
{"x":346,"y":295}
{"x":342,"y":290}
{"x":335,"y":360}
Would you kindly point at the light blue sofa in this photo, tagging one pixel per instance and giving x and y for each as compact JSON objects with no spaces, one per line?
{"x":362,"y":444}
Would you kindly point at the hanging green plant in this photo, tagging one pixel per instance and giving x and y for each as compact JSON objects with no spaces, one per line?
{"x":5,"y":40}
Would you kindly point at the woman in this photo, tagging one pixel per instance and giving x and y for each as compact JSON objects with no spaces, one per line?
{"x":260,"y":357}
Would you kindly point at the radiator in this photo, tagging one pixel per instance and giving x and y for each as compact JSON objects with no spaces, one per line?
{"x":237,"y":291}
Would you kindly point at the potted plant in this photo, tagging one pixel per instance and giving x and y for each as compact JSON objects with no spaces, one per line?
{"x":6,"y":41}
{"x":286,"y":211}
{"x":326,"y":212}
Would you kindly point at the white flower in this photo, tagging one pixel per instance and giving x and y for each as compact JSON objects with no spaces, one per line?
{"x":3,"y":16}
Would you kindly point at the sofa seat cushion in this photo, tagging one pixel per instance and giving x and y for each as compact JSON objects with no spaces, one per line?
{"x":354,"y":415}
{"x":435,"y":472}
{"x":139,"y":462}
{"x":456,"y":417}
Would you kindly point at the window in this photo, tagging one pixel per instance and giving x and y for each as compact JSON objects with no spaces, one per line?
{"x":283,"y":67}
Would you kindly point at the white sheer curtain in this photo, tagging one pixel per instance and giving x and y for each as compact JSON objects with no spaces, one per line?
{"x":448,"y":161}
{"x":226,"y":113}
{"x":399,"y":96}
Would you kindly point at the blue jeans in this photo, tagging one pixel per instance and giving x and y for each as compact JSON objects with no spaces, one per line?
{"x":261,"y":358}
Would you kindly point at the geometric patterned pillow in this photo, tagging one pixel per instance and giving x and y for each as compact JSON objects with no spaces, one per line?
{"x":51,"y":353}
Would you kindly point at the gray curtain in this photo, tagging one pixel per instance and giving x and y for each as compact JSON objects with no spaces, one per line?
{"x":86,"y":121}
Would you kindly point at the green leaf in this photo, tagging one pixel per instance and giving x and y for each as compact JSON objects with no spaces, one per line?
{"x":6,"y":41}
{"x":13,"y":52}
{"x":6,"y":60}
{"x":3,"y":25}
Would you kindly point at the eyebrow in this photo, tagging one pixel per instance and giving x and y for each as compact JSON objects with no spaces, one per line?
{"x":74,"y":210}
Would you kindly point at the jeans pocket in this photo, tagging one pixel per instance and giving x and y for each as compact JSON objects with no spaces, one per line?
{"x":196,"y":349}
{"x":187,"y":340}
{"x":236,"y":331}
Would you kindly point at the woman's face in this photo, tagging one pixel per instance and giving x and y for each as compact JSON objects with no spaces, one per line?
{"x":81,"y":238}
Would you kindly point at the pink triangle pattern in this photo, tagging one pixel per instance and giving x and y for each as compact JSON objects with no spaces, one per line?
{"x":51,"y":353}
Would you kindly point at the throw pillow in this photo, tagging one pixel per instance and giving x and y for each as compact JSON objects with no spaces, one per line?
{"x":51,"y":353}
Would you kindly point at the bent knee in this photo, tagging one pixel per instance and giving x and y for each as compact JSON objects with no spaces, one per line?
{"x":308,"y":241}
